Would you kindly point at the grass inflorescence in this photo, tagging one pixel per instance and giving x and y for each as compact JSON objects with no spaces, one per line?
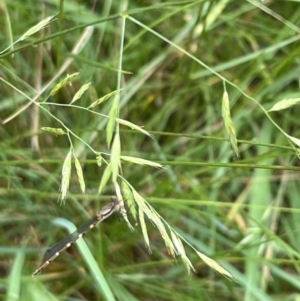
{"x":187,"y":112}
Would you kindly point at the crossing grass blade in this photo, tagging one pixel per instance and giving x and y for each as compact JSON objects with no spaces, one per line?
{"x":14,"y":280}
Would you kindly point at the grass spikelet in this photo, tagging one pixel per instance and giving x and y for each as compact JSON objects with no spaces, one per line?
{"x":143,"y":210}
{"x":123,"y":210}
{"x":118,"y":193}
{"x":177,"y":243}
{"x":228,"y":123}
{"x":293,"y":139}
{"x":105,"y":178}
{"x":141,"y":161}
{"x":79,"y":173}
{"x":179,"y":248}
{"x":144,"y":229}
{"x":66,"y":175}
{"x":164,"y":234}
{"x":55,"y":131}
{"x":99,"y":159}
{"x":187,"y":263}
{"x":92,"y":93}
{"x":62,"y":83}
{"x":115,"y":157}
{"x":42,"y":24}
{"x":80,"y":92}
{"x":112,"y":120}
{"x":104,"y":98}
{"x":214,"y":265}
{"x":134,"y":127}
{"x":128,"y":196}
{"x":284,"y":104}
{"x":155,"y":219}
{"x":142,"y":204}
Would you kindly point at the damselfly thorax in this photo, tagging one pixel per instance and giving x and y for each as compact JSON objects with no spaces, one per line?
{"x":65,"y":243}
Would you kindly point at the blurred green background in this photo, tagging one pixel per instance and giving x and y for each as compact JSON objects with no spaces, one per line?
{"x":173,"y":60}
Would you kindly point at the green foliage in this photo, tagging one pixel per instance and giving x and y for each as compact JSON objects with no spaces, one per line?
{"x":153,"y":102}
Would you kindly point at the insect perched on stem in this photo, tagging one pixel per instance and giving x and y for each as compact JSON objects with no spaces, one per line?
{"x":65,"y":243}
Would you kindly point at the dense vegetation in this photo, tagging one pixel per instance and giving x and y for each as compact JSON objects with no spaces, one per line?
{"x":185,"y":109}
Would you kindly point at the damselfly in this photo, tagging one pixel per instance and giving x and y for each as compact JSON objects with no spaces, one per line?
{"x":65,"y":243}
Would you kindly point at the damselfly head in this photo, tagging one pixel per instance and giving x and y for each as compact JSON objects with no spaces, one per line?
{"x":107,"y":210}
{"x":116,"y":203}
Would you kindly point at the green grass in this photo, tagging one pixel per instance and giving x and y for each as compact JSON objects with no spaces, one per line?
{"x":228,"y":190}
